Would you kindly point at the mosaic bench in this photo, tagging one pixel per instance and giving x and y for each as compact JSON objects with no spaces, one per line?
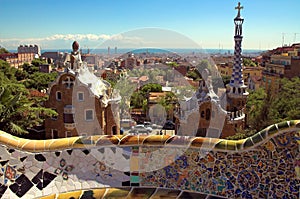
{"x":266,"y":165}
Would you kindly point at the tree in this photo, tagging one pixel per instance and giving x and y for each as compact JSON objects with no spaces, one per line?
{"x":172,"y":64}
{"x":7,"y":70}
{"x":39,"y":80}
{"x":21,"y":75}
{"x":17,"y":111}
{"x":264,"y":109}
{"x":193,"y":74}
{"x":38,"y":62}
{"x":151,"y":88}
{"x":285,"y":106}
{"x":168,"y":101}
{"x":204,"y":64}
{"x":139,"y":98}
{"x":30,"y":69}
{"x":125,"y":89}
{"x":249,"y":62}
{"x":258,"y":108}
{"x":226,"y":79}
{"x":3,"y":50}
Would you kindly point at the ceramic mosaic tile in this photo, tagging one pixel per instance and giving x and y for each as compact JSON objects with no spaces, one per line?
{"x":265,"y":165}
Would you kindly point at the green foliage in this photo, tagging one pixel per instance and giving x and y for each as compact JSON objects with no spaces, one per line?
{"x":30,"y":69}
{"x":8,"y":71}
{"x":111,"y":82}
{"x":39,"y":80}
{"x":125,"y":89}
{"x":168,"y":101}
{"x":226,"y":79}
{"x":17,"y":111}
{"x":139,"y":98}
{"x":151,"y":88}
{"x":258,"y":107}
{"x":264,"y":109}
{"x":241,"y":134}
{"x":204,"y":64}
{"x":285,"y":106}
{"x":38,"y":62}
{"x":3,"y":50}
{"x":193,"y":74}
{"x":152,"y":73}
{"x":249,"y":62}
{"x":172,"y":64}
{"x":183,"y":92}
{"x":21,"y":75}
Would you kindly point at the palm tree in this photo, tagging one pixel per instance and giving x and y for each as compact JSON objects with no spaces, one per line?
{"x":9,"y":111}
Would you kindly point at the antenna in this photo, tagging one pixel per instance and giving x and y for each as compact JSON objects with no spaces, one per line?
{"x":283,"y":34}
{"x":295,"y":36}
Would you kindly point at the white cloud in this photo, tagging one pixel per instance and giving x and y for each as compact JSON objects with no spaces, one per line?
{"x":140,"y":38}
{"x":63,"y":40}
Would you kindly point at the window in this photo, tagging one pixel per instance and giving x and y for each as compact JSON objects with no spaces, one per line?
{"x":58,"y":95}
{"x":68,"y":82}
{"x":54,"y":133}
{"x":69,"y":118}
{"x":80,"y":96}
{"x":207,"y":114}
{"x":202,"y":114}
{"x":54,"y":117}
{"x":114,"y":130}
{"x":239,"y":90}
{"x":89,"y":115}
{"x":68,"y":134}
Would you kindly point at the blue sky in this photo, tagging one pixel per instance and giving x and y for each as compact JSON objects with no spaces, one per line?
{"x":56,"y":23}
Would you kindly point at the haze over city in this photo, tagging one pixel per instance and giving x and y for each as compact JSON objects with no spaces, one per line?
{"x":54,"y":24}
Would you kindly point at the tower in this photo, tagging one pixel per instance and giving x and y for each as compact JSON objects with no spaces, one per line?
{"x":236,"y":93}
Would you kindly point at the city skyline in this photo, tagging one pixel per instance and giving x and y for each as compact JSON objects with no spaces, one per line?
{"x":208,"y":23}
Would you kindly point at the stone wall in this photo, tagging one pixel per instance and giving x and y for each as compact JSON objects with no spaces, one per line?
{"x":265,"y":165}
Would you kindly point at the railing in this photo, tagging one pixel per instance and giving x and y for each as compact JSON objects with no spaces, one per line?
{"x":69,"y":126}
{"x":273,"y":73}
{"x":236,"y":115}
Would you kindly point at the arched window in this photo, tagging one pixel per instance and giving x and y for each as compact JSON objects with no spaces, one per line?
{"x":207,"y":114}
{"x":58,"y":96}
{"x":114,"y":130}
{"x":202,"y":114}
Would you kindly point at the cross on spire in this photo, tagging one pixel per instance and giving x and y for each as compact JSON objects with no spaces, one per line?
{"x":239,"y":8}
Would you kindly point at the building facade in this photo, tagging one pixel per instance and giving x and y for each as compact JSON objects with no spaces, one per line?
{"x":35,"y":49}
{"x":284,"y":65}
{"x":208,"y":115}
{"x":81,"y":111}
{"x":17,"y":59}
{"x":11,"y":58}
{"x":85,"y":105}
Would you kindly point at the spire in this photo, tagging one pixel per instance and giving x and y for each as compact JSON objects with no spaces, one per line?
{"x":237,"y":85}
